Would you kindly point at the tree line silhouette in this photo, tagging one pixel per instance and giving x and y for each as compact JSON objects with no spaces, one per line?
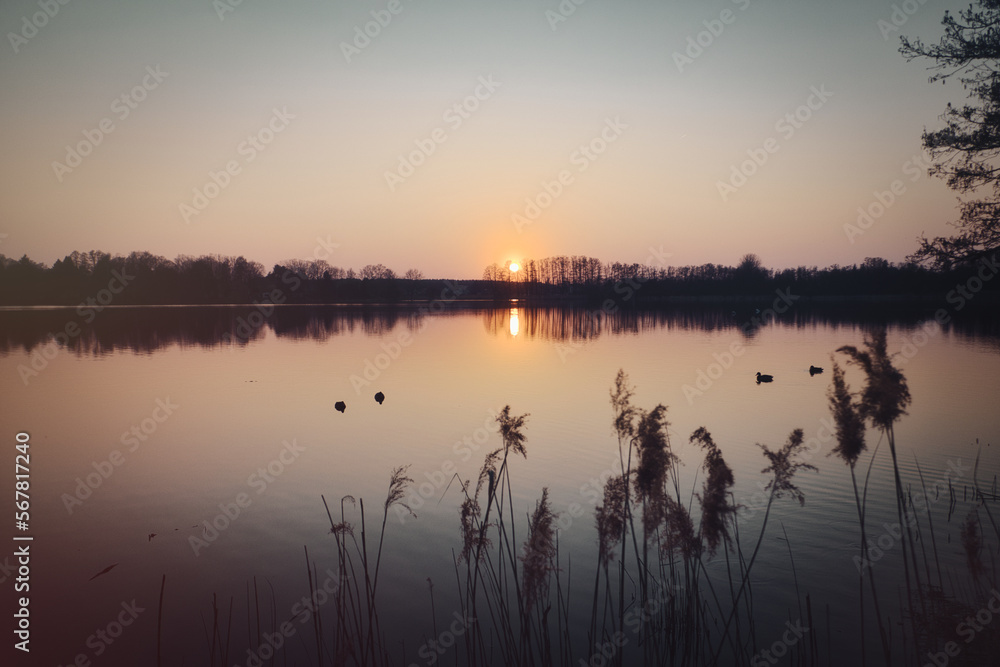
{"x":588,"y":276}
{"x":98,"y":278}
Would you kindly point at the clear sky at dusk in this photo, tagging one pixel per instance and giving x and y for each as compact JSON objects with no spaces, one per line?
{"x":420,"y":147}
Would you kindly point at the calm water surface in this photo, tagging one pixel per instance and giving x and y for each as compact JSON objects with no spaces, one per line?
{"x":200,"y":409}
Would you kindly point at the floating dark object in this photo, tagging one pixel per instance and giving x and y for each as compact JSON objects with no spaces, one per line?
{"x":815,"y":370}
{"x":380,"y":397}
{"x":151,"y":536}
{"x":104,"y":571}
{"x":764,"y":378}
{"x":340,"y":406}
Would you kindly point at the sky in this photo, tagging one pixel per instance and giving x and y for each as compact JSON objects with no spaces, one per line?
{"x":444,"y":135}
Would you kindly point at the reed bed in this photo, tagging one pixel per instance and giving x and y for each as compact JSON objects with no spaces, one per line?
{"x":674,"y":580}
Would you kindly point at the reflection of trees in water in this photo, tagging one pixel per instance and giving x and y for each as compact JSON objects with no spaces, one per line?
{"x":320,"y":323}
{"x":323,"y":323}
{"x":563,"y":324}
{"x":575,"y":323}
{"x":142,"y":330}
{"x":145,"y":329}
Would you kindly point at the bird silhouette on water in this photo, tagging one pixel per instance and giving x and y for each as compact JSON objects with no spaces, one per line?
{"x":380,"y":397}
{"x":764,"y":378}
{"x":340,"y":406}
{"x":815,"y":370}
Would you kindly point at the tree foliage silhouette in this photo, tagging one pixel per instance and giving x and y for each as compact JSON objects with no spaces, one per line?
{"x":966,"y":150}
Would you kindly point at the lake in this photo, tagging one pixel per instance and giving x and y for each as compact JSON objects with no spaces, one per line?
{"x":196,"y":443}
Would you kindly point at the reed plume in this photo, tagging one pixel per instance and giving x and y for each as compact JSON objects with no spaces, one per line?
{"x":848,"y":419}
{"x":849,"y":429}
{"x":678,"y":535}
{"x":716,"y":511}
{"x":510,"y":431}
{"x":610,"y":518}
{"x":474,"y":537}
{"x":885,"y":395}
{"x":883,"y":401}
{"x":343,"y":527}
{"x":655,"y":459}
{"x":539,"y":552}
{"x":621,"y":403}
{"x":398,"y":481}
{"x":783,"y":468}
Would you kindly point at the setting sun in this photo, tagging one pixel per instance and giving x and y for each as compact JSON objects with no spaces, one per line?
{"x":514,"y":267}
